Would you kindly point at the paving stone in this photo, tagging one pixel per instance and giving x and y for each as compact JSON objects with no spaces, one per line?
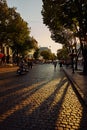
{"x":49,"y":104}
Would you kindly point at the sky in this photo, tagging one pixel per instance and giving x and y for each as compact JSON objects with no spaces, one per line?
{"x":30,"y":11}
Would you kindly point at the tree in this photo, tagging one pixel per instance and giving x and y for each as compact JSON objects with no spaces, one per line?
{"x":36,"y":54}
{"x":53,"y":57}
{"x":63,"y":53}
{"x":33,"y":44}
{"x":47,"y":55}
{"x":17,"y":30}
{"x":14,"y":31}
{"x":28,"y":45}
{"x":63,"y":15}
{"x":3,"y":21}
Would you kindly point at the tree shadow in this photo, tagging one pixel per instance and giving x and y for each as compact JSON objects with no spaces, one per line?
{"x":15,"y":96}
{"x":43,"y":117}
{"x":83,"y":121}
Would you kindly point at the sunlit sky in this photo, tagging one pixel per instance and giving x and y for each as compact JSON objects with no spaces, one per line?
{"x":30,"y":11}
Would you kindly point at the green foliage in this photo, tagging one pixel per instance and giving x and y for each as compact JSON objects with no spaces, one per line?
{"x":14,"y":31}
{"x":3,"y":20}
{"x":36,"y":54}
{"x":33,"y":44}
{"x":62,"y":14}
{"x":53,"y":57}
{"x":46,"y":54}
{"x":17,"y":29}
{"x":63,"y":53}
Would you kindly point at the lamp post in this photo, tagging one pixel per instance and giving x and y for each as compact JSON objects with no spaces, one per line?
{"x":72,"y":56}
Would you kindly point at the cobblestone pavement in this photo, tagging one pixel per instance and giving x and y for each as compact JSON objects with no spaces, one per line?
{"x":43,"y":99}
{"x":79,"y":80}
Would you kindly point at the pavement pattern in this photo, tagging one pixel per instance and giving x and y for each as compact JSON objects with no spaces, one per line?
{"x":51,"y":104}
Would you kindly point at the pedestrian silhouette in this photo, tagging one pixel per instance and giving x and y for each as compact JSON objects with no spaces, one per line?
{"x":55,"y":64}
{"x":30,"y":64}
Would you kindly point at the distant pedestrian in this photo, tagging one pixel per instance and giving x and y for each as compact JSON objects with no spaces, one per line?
{"x":30,"y":64}
{"x":3,"y":59}
{"x":60,"y":64}
{"x":55,"y":64}
{"x":7,"y":58}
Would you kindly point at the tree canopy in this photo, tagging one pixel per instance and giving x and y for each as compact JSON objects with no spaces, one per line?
{"x":14,"y":31}
{"x":65,"y":14}
{"x":62,"y":16}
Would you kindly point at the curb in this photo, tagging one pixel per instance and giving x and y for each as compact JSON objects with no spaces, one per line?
{"x":76,"y":87}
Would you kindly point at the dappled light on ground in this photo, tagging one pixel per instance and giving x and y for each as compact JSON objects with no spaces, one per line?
{"x":37,"y":91}
{"x":49,"y":104}
{"x":71,"y":111}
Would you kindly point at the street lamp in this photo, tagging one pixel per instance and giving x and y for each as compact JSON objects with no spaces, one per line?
{"x":73,"y":55}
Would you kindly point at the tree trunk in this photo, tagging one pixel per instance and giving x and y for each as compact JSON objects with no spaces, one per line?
{"x":17,"y":58}
{"x":76,"y":63}
{"x":84,"y":54}
{"x":85,"y":60}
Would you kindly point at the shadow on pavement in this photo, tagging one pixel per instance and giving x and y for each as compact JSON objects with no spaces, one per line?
{"x":25,"y":113}
{"x":35,"y":106}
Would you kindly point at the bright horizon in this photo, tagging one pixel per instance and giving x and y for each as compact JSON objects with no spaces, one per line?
{"x":30,"y":11}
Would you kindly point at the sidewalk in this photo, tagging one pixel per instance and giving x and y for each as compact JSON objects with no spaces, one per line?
{"x":79,"y":81}
{"x":8,"y":68}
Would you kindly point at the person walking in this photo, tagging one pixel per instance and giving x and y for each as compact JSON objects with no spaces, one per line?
{"x":30,"y":64}
{"x":55,"y":64}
